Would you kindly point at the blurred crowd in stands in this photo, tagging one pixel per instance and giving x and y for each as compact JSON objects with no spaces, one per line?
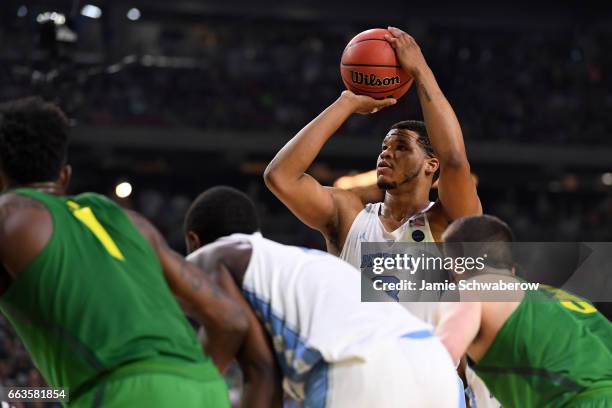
{"x":550,"y":86}
{"x":546,"y":85}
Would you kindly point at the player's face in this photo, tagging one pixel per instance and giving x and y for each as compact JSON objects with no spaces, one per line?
{"x":400,"y":160}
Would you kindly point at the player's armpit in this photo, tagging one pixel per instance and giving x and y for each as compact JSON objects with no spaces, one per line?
{"x":457,"y":191}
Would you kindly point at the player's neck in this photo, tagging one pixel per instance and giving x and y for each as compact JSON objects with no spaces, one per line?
{"x":48,"y":187}
{"x":404,"y":202}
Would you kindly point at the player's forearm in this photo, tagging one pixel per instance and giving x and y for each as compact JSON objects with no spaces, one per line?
{"x":225,"y":325}
{"x":442,"y":124}
{"x":226,"y":321}
{"x":292,"y":161}
{"x":262,"y":388}
{"x":221,"y":345}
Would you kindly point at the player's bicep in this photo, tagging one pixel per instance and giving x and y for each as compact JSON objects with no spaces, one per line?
{"x":457,"y":192}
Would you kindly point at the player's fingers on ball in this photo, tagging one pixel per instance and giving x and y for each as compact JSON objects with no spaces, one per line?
{"x":403,"y":39}
{"x":383,"y":103}
{"x":391,"y":40}
{"x":395,"y":31}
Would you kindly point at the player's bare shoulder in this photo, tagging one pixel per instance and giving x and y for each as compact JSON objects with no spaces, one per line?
{"x":16,"y":210}
{"x":25,"y":228}
{"x":232,"y":253}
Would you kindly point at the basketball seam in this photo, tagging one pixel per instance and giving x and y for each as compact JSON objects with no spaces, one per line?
{"x":370,"y":91}
{"x":366,"y":39}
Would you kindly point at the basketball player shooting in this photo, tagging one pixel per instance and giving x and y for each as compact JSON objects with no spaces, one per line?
{"x":411,"y":154}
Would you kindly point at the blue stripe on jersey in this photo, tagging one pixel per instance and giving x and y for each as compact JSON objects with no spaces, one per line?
{"x":461,"y":403}
{"x":420,"y":334}
{"x":295,"y":358}
{"x":316,"y":387}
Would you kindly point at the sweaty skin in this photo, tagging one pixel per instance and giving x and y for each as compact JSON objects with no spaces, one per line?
{"x":404,"y":170}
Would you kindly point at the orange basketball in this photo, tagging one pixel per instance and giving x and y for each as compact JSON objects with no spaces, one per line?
{"x":369,"y":67}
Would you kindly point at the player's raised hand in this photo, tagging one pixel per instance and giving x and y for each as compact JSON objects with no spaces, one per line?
{"x":407,"y":50}
{"x":366,"y":105}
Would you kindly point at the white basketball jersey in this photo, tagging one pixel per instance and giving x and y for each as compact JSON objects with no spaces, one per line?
{"x":310,"y":304}
{"x":367,"y":227}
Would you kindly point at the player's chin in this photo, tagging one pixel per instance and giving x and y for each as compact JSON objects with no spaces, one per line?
{"x":385,"y":183}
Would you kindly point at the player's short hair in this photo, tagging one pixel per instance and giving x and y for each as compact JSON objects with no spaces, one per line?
{"x":420,"y":129}
{"x":221,"y":211}
{"x":493,"y":237}
{"x":33,"y":140}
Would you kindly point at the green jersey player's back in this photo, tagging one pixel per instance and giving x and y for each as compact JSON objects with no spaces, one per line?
{"x":95,"y":297}
{"x":554,"y":350}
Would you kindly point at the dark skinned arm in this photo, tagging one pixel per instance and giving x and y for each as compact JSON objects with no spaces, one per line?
{"x":213,"y":304}
{"x":261,"y":374}
{"x":262,"y":379}
{"x":315,"y":205}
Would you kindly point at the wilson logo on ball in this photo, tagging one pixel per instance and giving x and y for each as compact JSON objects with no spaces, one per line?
{"x":372,"y":80}
{"x":369,"y":66}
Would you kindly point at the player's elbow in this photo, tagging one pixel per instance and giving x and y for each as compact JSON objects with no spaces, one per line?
{"x":274,"y":178}
{"x":269,"y":176}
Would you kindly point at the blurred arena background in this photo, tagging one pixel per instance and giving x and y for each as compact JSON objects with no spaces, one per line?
{"x":174,"y":97}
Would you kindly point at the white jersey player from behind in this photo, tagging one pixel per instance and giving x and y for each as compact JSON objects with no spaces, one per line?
{"x":332,"y":349}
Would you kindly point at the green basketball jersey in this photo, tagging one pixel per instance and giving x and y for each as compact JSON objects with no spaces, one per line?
{"x":95,"y":297}
{"x":549,"y":353}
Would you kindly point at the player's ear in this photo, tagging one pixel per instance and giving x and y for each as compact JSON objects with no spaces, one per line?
{"x":431,"y":166}
{"x":64,"y":177}
{"x":192,"y":240}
